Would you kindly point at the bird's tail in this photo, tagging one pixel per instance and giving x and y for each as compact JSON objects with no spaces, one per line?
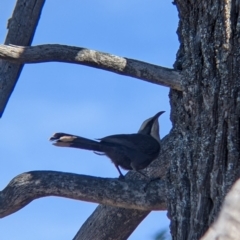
{"x":68,"y":140}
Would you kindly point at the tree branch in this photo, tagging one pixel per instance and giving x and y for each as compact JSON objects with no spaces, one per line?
{"x":62,"y":53}
{"x":227,"y":225}
{"x":126,"y":194}
{"x":22,"y":26}
{"x":108,"y":222}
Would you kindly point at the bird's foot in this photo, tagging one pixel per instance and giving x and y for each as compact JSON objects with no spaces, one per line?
{"x":121,"y":177}
{"x":154,"y":179}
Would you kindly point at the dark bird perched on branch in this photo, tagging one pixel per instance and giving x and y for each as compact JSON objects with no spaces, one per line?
{"x":129,"y":151}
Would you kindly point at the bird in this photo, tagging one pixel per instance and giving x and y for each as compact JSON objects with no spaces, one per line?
{"x":128,"y":151}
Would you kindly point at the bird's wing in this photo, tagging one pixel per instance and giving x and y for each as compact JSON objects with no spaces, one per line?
{"x":122,"y":139}
{"x":139,"y":142}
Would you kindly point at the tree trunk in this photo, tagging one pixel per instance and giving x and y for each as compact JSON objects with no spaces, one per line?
{"x":205,"y":116}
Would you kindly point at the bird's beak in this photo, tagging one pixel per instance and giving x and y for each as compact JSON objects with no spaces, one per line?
{"x":148,"y":123}
{"x":54,"y":137}
{"x":158,"y":115}
{"x":58,"y":136}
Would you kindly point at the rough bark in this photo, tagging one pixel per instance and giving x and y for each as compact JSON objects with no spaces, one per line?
{"x":62,"y":53}
{"x":205,"y":116}
{"x":21,"y":28}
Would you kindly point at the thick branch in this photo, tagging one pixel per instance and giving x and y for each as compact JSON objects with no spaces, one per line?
{"x":22,"y":26}
{"x":124,"y":66}
{"x":227,"y":225}
{"x":108,"y":222}
{"x":127,"y":194}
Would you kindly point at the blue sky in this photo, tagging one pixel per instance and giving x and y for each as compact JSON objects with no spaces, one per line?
{"x":53,"y":97}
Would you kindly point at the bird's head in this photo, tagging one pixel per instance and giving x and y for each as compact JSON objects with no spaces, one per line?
{"x":151,"y":126}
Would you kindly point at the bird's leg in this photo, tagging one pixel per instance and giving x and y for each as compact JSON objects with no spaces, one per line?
{"x":135,"y":169}
{"x":121,"y":175}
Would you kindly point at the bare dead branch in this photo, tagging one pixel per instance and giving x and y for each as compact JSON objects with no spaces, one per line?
{"x":22,"y":26}
{"x":127,"y":194}
{"x":62,"y":53}
{"x":227,"y":225}
{"x":108,"y":222}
